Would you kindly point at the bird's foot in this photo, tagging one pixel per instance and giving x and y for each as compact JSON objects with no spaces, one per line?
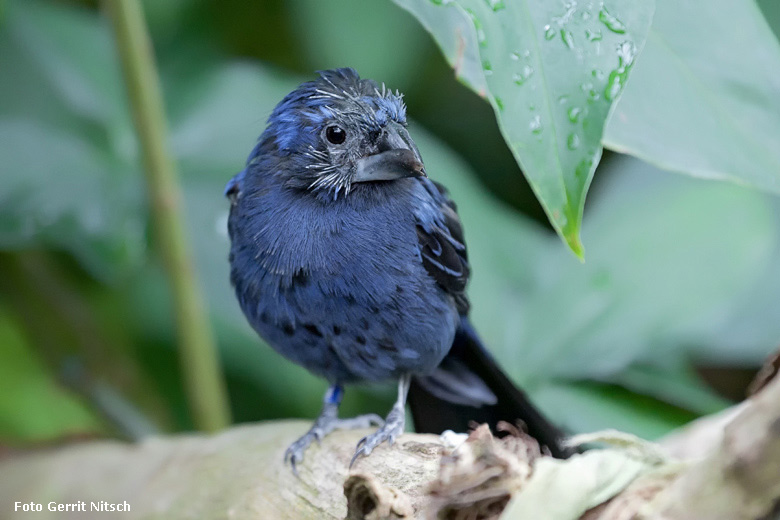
{"x":325,"y":424}
{"x":393,"y":427}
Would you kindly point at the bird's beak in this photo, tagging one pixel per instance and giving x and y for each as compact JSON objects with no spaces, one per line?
{"x":397,"y":157}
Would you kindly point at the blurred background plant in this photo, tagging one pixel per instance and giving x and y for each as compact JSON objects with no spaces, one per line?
{"x":668,"y":318}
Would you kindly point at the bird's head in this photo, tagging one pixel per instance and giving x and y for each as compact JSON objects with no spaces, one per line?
{"x":340,"y":130}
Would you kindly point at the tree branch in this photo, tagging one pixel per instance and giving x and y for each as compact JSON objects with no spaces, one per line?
{"x":740,"y":480}
{"x":240,"y":474}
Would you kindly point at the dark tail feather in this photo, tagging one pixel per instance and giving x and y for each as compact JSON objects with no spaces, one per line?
{"x":470,"y":386}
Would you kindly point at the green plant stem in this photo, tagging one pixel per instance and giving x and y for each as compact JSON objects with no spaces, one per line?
{"x":200,"y":366}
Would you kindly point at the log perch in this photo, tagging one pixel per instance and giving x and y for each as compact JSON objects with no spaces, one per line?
{"x":733,"y":473}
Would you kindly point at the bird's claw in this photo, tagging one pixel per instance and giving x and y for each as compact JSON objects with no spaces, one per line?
{"x":293,"y":455}
{"x":392,"y":428}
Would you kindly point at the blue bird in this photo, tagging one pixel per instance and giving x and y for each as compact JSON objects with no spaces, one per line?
{"x":349,"y":261}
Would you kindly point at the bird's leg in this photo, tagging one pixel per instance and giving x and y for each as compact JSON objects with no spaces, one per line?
{"x":328,"y":421}
{"x":394,"y":423}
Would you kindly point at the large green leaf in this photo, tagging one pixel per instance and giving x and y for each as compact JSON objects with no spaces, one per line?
{"x":672,"y":258}
{"x":552,"y":73}
{"x":66,"y":141}
{"x":741,"y":334}
{"x":703,"y":98}
{"x":588,"y":407}
{"x":72,"y":54}
{"x":59,"y":191}
{"x":456,"y":35}
{"x":676,"y":386}
{"x":771,"y":11}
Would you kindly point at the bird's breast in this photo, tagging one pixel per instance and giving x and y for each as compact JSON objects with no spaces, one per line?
{"x":340,"y":288}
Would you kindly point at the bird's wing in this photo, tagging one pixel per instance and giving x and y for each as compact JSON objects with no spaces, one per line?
{"x":442,"y":247}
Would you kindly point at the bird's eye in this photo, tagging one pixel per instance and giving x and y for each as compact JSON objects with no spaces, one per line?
{"x":335,"y":134}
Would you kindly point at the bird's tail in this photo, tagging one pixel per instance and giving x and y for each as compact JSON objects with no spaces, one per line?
{"x":469,"y":386}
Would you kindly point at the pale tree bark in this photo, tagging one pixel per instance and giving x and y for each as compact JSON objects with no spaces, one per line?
{"x":740,"y":478}
{"x":732,"y":472}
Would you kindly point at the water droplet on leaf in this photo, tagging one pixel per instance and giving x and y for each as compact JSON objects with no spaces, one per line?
{"x":574,"y":114}
{"x":495,"y":5}
{"x":612,"y":23}
{"x":478,"y":27}
{"x":573,"y":141}
{"x":535,"y":125}
{"x":583,"y":168}
{"x":567,"y":38}
{"x":617,"y":78}
{"x":592,"y":36}
{"x":549,"y":32}
{"x":614,"y":86}
{"x":626,"y":53}
{"x":524,"y":75}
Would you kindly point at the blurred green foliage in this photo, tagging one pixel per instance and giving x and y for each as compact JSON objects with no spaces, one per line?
{"x":679,"y":272}
{"x":34,"y":408}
